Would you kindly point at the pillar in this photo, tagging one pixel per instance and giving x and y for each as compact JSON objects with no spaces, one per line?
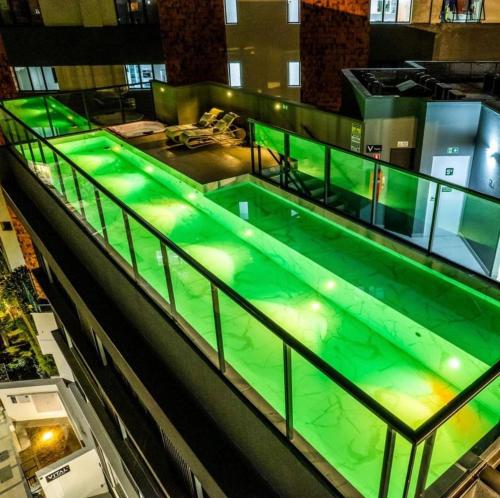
{"x":194,"y":40}
{"x":334,"y":35}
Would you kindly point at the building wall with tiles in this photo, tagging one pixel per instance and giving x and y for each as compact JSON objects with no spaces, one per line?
{"x":194,"y":40}
{"x":334,"y":35}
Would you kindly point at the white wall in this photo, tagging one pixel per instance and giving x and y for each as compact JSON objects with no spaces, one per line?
{"x":45,"y":323}
{"x":84,"y":479}
{"x":9,"y":239}
{"x":38,"y":398}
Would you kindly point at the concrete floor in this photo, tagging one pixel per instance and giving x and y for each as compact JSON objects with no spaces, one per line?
{"x":204,"y":165}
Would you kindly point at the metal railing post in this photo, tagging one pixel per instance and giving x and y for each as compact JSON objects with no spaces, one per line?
{"x":409,"y":472}
{"x":218,"y":327}
{"x":102,"y":220}
{"x":434,"y":218}
{"x":59,"y":174}
{"x":375,"y":187}
{"x":390,"y":441}
{"x":47,"y":110}
{"x":252,"y":147}
{"x":285,"y":163}
{"x":425,"y":465}
{"x":130,"y":241}
{"x":86,"y":110}
{"x":168,"y":278}
{"x":78,"y":192}
{"x":287,"y":363}
{"x":327,"y":173}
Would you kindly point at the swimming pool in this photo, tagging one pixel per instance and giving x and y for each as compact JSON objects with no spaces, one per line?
{"x":407,"y":336}
{"x":47,"y":116}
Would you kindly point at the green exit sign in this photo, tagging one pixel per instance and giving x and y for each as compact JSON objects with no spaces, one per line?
{"x":453,"y":150}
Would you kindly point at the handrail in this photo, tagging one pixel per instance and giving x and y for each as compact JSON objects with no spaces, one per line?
{"x":41,"y":93}
{"x":416,"y":174}
{"x":415,"y":436}
{"x":457,"y":403}
{"x":357,"y":393}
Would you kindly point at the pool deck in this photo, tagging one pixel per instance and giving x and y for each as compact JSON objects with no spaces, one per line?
{"x":205,"y":165}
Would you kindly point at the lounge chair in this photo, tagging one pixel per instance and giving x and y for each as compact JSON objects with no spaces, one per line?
{"x":224,"y":133}
{"x":208,"y":119}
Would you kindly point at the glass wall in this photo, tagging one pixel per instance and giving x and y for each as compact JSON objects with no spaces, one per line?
{"x":20,"y":12}
{"x":390,"y":11}
{"x":462,"y":11}
{"x":136,"y":11}
{"x":141,"y":75}
{"x":36,"y":78}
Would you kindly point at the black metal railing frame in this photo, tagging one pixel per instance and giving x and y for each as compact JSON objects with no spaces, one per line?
{"x":377,"y":164}
{"x":425,"y":433}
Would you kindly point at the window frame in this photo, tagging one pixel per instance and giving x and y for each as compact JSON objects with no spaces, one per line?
{"x":240,"y":73}
{"x":396,"y":14}
{"x":288,"y":10}
{"x":288,"y":63}
{"x":236,"y":10}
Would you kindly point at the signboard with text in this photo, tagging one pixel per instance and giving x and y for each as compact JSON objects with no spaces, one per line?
{"x":57,"y":473}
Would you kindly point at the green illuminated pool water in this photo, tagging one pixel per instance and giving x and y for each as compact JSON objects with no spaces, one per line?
{"x":47,"y":116}
{"x":402,"y":333}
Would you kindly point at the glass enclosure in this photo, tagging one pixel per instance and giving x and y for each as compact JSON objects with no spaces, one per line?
{"x":281,"y":329}
{"x":462,"y":11}
{"x":391,"y":11}
{"x":136,"y":11}
{"x":458,"y":225}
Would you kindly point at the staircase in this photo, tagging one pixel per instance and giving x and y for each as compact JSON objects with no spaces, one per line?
{"x":485,"y":482}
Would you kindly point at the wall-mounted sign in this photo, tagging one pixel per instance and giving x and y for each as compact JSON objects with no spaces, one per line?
{"x":373,"y":149}
{"x":445,"y":189}
{"x":404,"y":144}
{"x":356,"y":137}
{"x":453,"y":150}
{"x":57,"y":473}
{"x":449,"y":171}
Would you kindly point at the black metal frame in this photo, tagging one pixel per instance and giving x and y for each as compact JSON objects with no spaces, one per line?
{"x":258,"y":171}
{"x":426,"y":431}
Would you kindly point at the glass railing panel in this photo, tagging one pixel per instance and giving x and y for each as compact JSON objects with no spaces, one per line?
{"x":474,"y":425}
{"x":193,"y":298}
{"x":89,"y":204}
{"x":305,"y":171}
{"x":68,"y":180}
{"x":115,"y":227}
{"x":346,"y":434}
{"x":272,"y":151}
{"x":467,"y":231}
{"x":402,"y":468}
{"x":66,"y":114}
{"x":149,"y":258}
{"x":405,"y":205}
{"x":351,"y":184}
{"x":253,"y":351}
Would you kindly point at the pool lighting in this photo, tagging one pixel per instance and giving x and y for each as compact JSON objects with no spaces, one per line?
{"x":47,"y":436}
{"x":248,"y":232}
{"x":315,"y":306}
{"x":116,"y":148}
{"x":330,"y":285}
{"x":192,"y":196}
{"x":149,"y":169}
{"x":454,"y":363}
